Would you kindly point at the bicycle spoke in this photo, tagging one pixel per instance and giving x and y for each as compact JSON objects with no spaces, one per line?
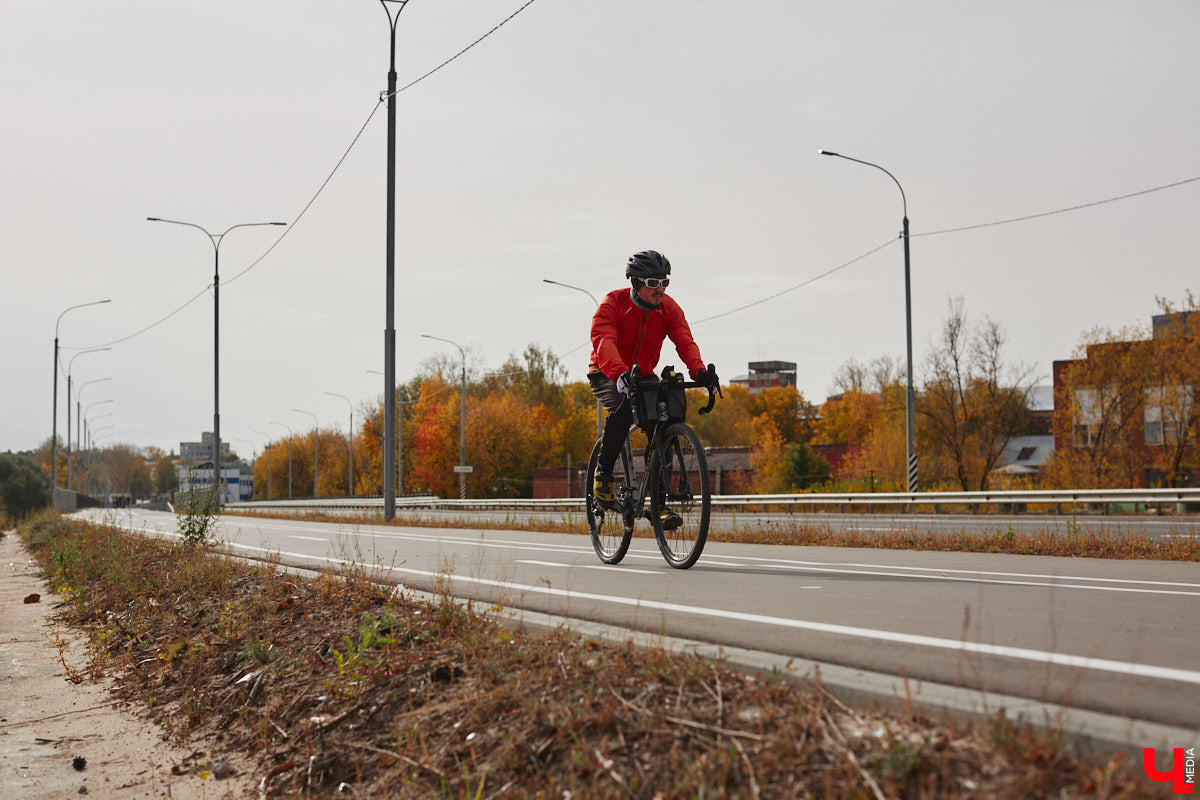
{"x":607,"y":523}
{"x":680,"y":502}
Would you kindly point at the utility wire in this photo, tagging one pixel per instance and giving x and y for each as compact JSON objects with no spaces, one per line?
{"x":1057,"y":211}
{"x":952,"y":230}
{"x":384,"y":95}
{"x":801,"y":285}
{"x":309,"y":205}
{"x":320,"y":189}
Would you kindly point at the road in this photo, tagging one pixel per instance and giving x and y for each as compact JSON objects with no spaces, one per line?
{"x":1117,"y":637}
{"x":1155,"y":527}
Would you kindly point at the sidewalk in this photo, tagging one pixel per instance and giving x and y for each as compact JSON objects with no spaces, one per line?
{"x":47,"y":723}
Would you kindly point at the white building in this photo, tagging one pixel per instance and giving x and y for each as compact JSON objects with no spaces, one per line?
{"x":237,"y":480}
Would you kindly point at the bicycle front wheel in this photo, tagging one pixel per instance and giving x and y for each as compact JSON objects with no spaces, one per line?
{"x":679,"y":496}
{"x":610,"y":523}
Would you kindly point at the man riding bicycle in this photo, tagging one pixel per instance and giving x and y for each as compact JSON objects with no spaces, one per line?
{"x":628,"y":322}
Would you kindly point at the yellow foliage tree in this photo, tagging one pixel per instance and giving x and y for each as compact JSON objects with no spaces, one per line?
{"x":768,"y":458}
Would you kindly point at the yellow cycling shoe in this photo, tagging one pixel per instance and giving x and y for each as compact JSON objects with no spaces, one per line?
{"x":669,"y":519}
{"x":602,"y":487}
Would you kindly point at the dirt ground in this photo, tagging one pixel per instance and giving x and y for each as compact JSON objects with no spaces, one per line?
{"x":59,"y":738}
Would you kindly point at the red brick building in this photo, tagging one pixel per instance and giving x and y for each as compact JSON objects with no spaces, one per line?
{"x":1107,"y":407}
{"x":768,"y":375}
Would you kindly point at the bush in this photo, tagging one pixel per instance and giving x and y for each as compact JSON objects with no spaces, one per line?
{"x":23,"y":487}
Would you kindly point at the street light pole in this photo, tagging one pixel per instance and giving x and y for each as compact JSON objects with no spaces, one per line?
{"x":599,"y":405}
{"x":909,"y":402}
{"x":95,"y":437}
{"x":462,"y":420}
{"x":54,"y":412}
{"x":216,"y":240}
{"x":85,"y":449}
{"x":349,"y":439}
{"x":316,"y":449}
{"x":267,"y":445}
{"x":82,"y":417}
{"x":389,"y":333}
{"x":70,"y":365}
{"x":289,"y":430}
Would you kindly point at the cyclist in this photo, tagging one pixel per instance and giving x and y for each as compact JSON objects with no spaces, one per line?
{"x":629,"y":321}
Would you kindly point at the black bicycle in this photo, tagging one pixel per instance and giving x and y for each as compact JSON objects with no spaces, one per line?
{"x":674,"y":478}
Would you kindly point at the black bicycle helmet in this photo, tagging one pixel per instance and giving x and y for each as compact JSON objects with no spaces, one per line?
{"x":647,"y":264}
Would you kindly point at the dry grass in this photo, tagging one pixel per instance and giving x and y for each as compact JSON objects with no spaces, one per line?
{"x":1079,"y":541}
{"x":336,"y":686}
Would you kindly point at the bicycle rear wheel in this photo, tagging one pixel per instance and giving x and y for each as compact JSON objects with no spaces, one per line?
{"x":610,"y":524}
{"x":680,"y":486}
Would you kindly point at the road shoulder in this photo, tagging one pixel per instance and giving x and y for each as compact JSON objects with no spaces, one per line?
{"x":47,"y":722}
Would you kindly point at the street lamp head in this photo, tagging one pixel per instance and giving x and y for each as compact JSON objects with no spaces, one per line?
{"x":826,"y":153}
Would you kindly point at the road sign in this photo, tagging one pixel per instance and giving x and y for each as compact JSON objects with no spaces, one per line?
{"x":464,"y":469}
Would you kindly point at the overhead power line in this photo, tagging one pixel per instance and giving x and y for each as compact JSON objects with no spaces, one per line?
{"x":320,"y":189}
{"x":800,"y":285}
{"x":1058,"y":211}
{"x":1009,"y":221}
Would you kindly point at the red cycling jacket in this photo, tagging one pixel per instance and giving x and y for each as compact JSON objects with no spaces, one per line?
{"x":619,"y":323}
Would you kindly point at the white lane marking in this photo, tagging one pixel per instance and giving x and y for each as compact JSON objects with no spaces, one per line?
{"x":607,"y":567}
{"x":307,"y":538}
{"x":1054,"y":581}
{"x":957,"y":579}
{"x":970,"y":572}
{"x":1022,"y":653}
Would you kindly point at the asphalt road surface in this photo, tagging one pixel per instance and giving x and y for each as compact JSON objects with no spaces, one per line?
{"x":1118,"y":637}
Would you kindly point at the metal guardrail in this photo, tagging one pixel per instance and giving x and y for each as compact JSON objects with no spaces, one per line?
{"x":867,"y":501}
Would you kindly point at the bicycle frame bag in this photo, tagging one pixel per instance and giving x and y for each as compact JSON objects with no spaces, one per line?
{"x":661,"y":402}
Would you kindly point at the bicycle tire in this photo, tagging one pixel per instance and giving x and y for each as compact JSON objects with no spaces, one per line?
{"x":610,"y":525}
{"x":680,"y":483}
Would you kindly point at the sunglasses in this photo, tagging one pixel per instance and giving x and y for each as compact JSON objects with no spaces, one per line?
{"x":654,"y":283}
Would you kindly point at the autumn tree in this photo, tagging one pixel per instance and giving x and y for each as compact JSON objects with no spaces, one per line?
{"x":1126,"y":406}
{"x":786,"y":408}
{"x":972,"y":401}
{"x":732,"y":422}
{"x":871,"y":377}
{"x":1172,"y":417}
{"x":166,"y":478}
{"x":883,"y":454}
{"x":850,"y":417}
{"x":768,"y":458}
{"x":1099,"y":406}
{"x":869,"y":413}
{"x":43,"y":456}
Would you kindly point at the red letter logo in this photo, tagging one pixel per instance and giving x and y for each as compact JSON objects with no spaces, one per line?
{"x":1182,"y":779}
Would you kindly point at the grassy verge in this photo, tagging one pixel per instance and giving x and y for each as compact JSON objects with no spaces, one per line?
{"x":1077,"y":542}
{"x":334,"y":686}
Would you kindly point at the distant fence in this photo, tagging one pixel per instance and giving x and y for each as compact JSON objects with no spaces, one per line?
{"x":1030,"y":501}
{"x":65,"y":501}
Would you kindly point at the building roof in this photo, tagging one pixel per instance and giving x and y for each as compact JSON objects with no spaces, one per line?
{"x":1031,"y":452}
{"x":772,"y":366}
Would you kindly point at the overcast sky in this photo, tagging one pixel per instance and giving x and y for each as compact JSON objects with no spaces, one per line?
{"x":575,"y":135}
